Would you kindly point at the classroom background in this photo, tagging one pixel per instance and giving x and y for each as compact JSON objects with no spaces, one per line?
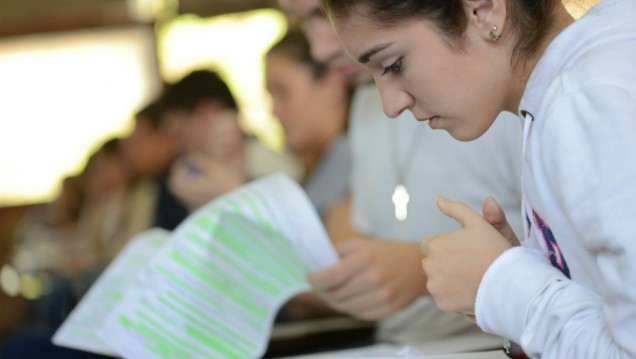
{"x":75,"y":72}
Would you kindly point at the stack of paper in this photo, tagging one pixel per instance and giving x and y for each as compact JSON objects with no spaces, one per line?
{"x":211,"y":288}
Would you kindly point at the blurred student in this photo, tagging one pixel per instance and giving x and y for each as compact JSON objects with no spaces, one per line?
{"x":149,"y":152}
{"x":216,"y":155}
{"x":102,"y":219}
{"x":312,"y":103}
{"x":393,"y":195}
{"x":99,"y":221}
{"x":46,"y":230}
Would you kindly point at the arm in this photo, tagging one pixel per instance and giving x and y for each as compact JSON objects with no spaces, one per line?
{"x":376,"y":277}
{"x":517,"y":293}
{"x":594,"y":314}
{"x":337,"y":220}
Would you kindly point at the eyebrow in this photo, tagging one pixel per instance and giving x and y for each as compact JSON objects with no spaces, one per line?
{"x":366,"y":57}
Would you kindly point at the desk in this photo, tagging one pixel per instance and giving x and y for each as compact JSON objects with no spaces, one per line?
{"x":321,"y":337}
{"x":317,"y":335}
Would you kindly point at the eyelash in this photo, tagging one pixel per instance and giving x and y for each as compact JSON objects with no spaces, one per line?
{"x":395,"y":67}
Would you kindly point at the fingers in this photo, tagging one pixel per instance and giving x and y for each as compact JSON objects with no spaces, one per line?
{"x":349,"y":246}
{"x":492,"y":212}
{"x":427,"y":243}
{"x":459,"y":211}
{"x":494,"y":215}
{"x":333,"y":277}
{"x":424,"y":248}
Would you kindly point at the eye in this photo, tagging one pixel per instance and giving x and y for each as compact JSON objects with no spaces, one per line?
{"x":394,"y":68}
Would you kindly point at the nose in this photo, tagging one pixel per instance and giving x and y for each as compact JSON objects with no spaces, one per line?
{"x":394,"y":100}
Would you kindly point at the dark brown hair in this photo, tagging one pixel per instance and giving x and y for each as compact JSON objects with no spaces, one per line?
{"x":530,"y":19}
{"x":295,"y":46}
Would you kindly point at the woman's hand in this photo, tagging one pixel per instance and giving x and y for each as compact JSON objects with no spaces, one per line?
{"x":455,"y":262}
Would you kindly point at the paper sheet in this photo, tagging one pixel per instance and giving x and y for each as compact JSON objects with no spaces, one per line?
{"x":214,"y":289}
{"x":79,"y":330}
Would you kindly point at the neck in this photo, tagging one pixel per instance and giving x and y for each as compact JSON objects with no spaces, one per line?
{"x":311,"y":156}
{"x":309,"y":160}
{"x":561,"y":20}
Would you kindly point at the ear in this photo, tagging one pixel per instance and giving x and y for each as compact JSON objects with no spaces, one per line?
{"x":483,"y":15}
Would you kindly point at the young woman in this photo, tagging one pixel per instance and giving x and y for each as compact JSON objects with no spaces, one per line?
{"x":569,"y":290}
{"x":391,"y":209}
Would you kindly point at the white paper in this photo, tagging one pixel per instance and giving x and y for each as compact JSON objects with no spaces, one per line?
{"x":79,"y":330}
{"x":214,"y":289}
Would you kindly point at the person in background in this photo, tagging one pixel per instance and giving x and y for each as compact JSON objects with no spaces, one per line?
{"x":393,"y":199}
{"x":568,"y":290}
{"x":149,"y":151}
{"x":96,"y":205}
{"x":46,"y":230}
{"x":312,"y":103}
{"x":215,"y":154}
{"x":102,"y":219}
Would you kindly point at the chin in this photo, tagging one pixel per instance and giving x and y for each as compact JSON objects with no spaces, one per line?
{"x":464,"y":136}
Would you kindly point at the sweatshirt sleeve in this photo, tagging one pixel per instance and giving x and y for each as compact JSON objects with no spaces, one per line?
{"x":589,"y":168}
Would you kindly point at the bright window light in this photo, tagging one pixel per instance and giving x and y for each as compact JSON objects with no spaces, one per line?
{"x":578,"y":8}
{"x":62,"y":95}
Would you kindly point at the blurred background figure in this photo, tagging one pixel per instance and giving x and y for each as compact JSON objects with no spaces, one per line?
{"x":312,"y":104}
{"x":216,"y":155}
{"x":101,"y":222}
{"x":48,"y":229}
{"x":66,"y":247}
{"x":149,"y":152}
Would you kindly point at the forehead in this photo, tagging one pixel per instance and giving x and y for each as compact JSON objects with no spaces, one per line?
{"x":300,"y":8}
{"x":362,"y":38}
{"x":354,"y":32}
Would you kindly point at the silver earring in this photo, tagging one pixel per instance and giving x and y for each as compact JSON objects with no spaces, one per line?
{"x":493,"y":34}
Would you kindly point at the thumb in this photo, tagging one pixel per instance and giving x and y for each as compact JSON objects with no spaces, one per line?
{"x":492,"y":212}
{"x":458,"y":210}
{"x":494,"y":215}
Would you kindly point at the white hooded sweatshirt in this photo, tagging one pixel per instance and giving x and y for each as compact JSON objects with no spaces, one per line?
{"x":570,"y":290}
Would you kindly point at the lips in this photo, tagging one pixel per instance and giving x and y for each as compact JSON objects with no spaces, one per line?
{"x":432,"y":120}
{"x":425,"y":118}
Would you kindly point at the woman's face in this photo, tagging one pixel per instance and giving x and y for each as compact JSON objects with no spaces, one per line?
{"x":415,"y":68}
{"x":303,"y":103}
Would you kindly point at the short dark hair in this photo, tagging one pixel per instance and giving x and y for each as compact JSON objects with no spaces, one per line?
{"x":153,"y":113}
{"x":197,"y":86}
